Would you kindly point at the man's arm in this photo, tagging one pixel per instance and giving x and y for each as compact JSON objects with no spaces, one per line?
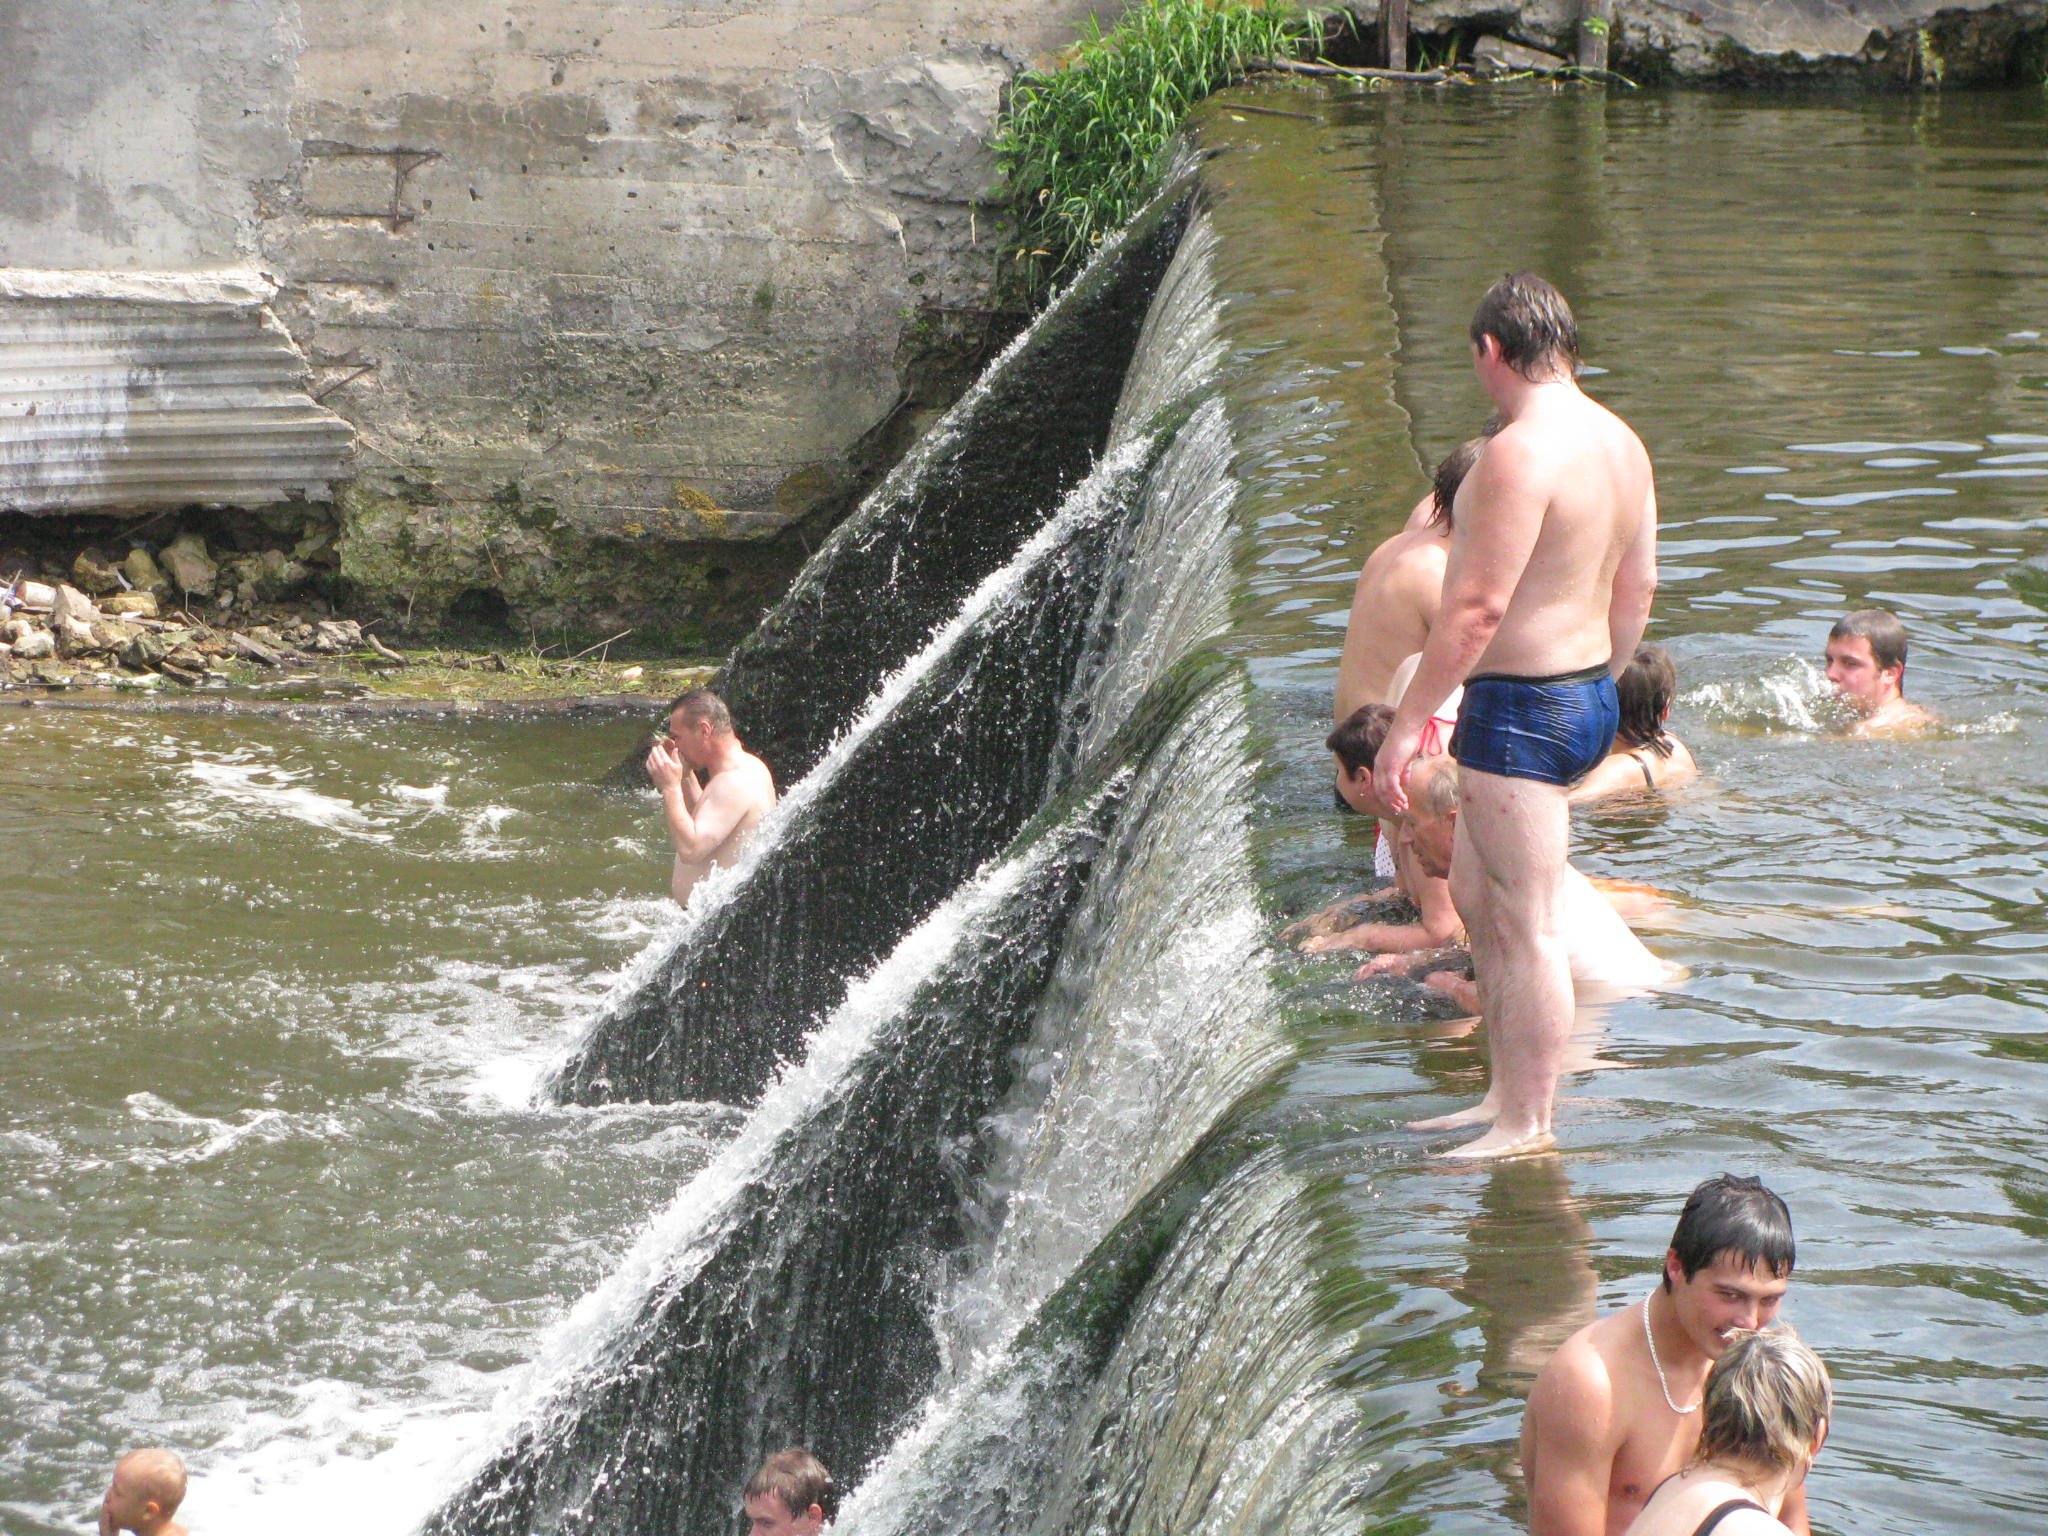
{"x":1377,"y":938}
{"x":1635,"y":583}
{"x":1500,"y":515}
{"x":1568,"y":1445}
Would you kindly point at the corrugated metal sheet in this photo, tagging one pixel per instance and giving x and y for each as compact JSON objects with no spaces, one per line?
{"x":147,"y":390}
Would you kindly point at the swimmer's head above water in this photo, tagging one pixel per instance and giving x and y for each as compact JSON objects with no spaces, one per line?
{"x":1866,"y":659}
{"x":1730,"y":1261}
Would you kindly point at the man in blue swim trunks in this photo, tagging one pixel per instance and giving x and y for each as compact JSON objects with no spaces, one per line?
{"x":1552,"y":564}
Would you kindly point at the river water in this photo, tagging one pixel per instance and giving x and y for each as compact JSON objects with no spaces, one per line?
{"x":1826,"y":320}
{"x":279,"y":990}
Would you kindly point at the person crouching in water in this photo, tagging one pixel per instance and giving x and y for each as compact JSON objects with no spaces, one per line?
{"x":1764,"y":1420}
{"x":1645,"y":755}
{"x":1354,"y":745}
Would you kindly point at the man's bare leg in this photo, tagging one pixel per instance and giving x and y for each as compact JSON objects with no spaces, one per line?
{"x":1517,"y":834}
{"x":1472,"y":894}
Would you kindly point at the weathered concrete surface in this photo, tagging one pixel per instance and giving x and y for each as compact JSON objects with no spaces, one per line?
{"x":136,"y":391}
{"x":611,"y":291}
{"x":1869,"y":42}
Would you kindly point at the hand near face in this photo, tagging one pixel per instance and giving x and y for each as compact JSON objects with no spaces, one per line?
{"x":665,"y":768}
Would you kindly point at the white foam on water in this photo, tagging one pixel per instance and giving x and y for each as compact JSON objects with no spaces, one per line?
{"x":209,"y":1138}
{"x":270,"y":789}
{"x":670,"y":1250}
{"x":343,"y":1460}
{"x":1796,"y":696}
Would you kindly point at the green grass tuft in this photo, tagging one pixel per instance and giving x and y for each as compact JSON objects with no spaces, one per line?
{"x":1080,"y":145}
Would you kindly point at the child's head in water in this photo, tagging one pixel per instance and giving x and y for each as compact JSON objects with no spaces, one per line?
{"x":1645,"y":690}
{"x":147,"y":1488}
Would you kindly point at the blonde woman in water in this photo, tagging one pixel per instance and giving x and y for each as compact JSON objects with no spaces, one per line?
{"x":1764,"y":1419}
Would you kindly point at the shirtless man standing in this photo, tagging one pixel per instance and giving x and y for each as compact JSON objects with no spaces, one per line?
{"x":1617,"y":1409}
{"x":1399,"y":587}
{"x":1553,"y":561}
{"x":709,"y":819}
{"x":1866,"y":659}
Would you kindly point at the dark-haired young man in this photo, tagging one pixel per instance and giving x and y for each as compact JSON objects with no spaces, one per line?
{"x":791,"y":1494}
{"x":1617,"y":1409}
{"x":1866,"y":663}
{"x":1552,"y":564}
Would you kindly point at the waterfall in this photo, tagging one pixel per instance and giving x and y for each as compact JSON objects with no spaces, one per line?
{"x":974,"y":487}
{"x":1009,"y":1192}
{"x":949,"y":758}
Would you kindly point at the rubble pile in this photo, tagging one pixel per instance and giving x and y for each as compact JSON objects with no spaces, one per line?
{"x":181,"y":612}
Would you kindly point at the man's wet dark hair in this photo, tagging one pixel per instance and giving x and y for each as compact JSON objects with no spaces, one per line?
{"x":1645,"y":688}
{"x":799,"y":1480}
{"x":1533,"y":324}
{"x":1451,"y":471}
{"x":1733,"y":1214}
{"x":1357,"y":741}
{"x":1879,"y":626}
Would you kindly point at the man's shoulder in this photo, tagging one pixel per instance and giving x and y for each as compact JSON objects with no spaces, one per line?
{"x":1582,"y":1371}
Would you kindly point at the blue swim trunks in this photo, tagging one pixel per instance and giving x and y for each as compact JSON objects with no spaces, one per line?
{"x":1551,"y":729}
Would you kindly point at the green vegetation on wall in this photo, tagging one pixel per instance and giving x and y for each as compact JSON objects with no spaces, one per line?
{"x":1081,"y":143}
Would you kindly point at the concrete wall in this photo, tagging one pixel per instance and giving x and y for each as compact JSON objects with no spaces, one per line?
{"x":601,"y":284}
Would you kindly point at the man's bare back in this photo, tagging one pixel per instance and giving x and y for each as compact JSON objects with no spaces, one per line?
{"x":1564,"y":488}
{"x":1392,"y":608}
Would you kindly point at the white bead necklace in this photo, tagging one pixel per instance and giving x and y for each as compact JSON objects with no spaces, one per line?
{"x":1663,"y":1385}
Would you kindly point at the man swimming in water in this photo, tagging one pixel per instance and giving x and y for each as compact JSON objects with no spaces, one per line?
{"x":709,"y":819}
{"x":1398,"y":590}
{"x":1617,"y":1409}
{"x":1866,"y":663}
{"x":1552,"y":564}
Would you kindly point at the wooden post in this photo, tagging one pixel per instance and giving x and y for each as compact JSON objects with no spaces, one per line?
{"x":1394,"y":32}
{"x":1596,"y":19}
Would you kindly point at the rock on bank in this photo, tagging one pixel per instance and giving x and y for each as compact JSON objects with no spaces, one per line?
{"x":1865,"y":43}
{"x":618,"y":299}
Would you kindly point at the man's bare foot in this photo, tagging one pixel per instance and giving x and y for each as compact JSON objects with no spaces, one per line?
{"x":1498,"y":1143}
{"x":1485,"y":1112}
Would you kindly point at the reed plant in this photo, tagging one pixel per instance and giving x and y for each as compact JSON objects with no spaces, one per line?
{"x":1081,"y":143}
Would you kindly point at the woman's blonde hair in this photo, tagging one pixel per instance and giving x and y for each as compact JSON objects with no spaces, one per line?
{"x":1766,"y":1399}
